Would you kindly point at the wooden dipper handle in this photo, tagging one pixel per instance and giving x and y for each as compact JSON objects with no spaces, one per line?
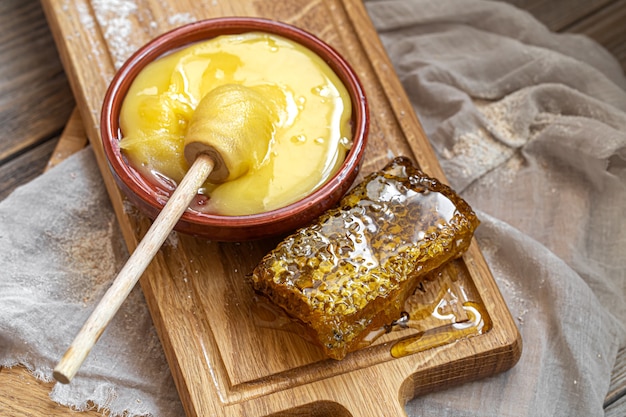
{"x":229,"y":132}
{"x":133,"y":269}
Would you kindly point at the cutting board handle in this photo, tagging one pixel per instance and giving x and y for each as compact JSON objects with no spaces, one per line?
{"x":372,"y":407}
{"x":373,"y":394}
{"x":378,"y":407}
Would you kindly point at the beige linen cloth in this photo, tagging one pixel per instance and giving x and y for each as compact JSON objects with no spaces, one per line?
{"x":530,"y":127}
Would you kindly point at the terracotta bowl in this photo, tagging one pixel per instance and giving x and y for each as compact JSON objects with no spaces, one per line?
{"x":149,"y":198}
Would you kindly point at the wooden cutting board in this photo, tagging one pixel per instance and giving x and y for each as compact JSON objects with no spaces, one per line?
{"x":228,"y":358}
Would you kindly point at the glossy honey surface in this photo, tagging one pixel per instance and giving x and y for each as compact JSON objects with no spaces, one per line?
{"x":352,"y":270}
{"x":311,"y":130}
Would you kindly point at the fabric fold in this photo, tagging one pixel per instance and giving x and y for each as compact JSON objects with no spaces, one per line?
{"x":529,"y":127}
{"x":58,"y":260}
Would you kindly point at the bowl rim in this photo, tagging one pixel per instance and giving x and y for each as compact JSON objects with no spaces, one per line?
{"x":204,"y":30}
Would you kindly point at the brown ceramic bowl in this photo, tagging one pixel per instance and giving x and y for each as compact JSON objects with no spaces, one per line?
{"x":149,"y":198}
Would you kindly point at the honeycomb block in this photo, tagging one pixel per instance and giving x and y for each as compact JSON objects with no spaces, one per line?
{"x":350,"y":271}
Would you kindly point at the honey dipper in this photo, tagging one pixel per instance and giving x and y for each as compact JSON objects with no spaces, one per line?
{"x":229,"y":131}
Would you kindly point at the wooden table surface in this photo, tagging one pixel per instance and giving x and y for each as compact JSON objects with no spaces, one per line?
{"x":36,"y":104}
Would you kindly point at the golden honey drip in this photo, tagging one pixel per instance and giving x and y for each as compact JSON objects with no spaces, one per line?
{"x":478,"y":323}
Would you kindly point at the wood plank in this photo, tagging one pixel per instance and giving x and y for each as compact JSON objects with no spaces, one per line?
{"x":607,"y":27}
{"x":27,"y":396}
{"x":617,"y":389}
{"x":71,"y":141}
{"x":22,"y":395}
{"x":559,"y":14}
{"x":25,"y":167}
{"x":213,"y":345}
{"x":29,"y":165}
{"x":35,"y":98}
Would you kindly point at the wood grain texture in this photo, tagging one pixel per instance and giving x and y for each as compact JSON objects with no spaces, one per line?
{"x":602,"y":20}
{"x":617,"y":389}
{"x":36,"y":101}
{"x":24,"y":167}
{"x":557,"y":15}
{"x":21,"y":395}
{"x":134,"y":268}
{"x":72,"y":140}
{"x":35,"y":98}
{"x":223,"y":363}
{"x":607,"y":27}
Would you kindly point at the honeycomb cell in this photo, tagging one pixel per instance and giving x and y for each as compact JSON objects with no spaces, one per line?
{"x":351,"y":270}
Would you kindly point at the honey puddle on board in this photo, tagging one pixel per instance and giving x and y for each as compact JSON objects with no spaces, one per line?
{"x":445,"y":308}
